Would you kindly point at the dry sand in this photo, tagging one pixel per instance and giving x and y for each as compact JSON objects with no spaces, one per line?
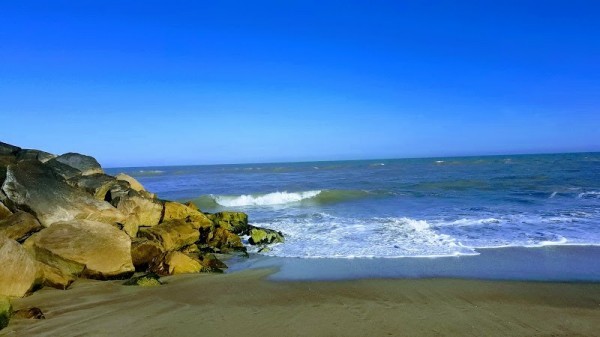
{"x":244,"y":303}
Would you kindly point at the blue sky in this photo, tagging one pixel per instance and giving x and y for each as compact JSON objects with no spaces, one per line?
{"x":193,"y":82}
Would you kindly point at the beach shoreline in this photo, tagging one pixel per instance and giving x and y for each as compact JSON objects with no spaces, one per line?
{"x":246,"y":302}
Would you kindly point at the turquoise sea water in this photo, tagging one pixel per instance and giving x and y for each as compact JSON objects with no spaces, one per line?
{"x":401,"y":208}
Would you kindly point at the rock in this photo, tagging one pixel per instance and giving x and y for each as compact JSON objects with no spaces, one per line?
{"x":29,"y":313}
{"x":98,"y":185}
{"x":131,"y":180}
{"x":86,"y":164}
{"x":236,"y":222}
{"x":262,"y":236}
{"x":20,"y":226}
{"x":143,"y":251}
{"x":264,"y":249}
{"x":211,"y":264}
{"x":54,"y":277}
{"x":172,"y":263}
{"x":7,"y":149}
{"x":87,"y":248}
{"x":63,"y":170}
{"x":138,"y":211}
{"x":175,"y":210}
{"x":172,"y":235}
{"x":19,"y":274}
{"x":26,"y":154}
{"x":146,"y":280}
{"x":225,"y":241}
{"x":34,"y":187}
{"x":4,"y":211}
{"x":5,"y":310}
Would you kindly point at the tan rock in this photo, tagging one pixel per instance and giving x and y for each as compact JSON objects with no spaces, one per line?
{"x":139,"y":211}
{"x":175,"y":210}
{"x":236,"y":222}
{"x":225,"y":240}
{"x":19,"y":271}
{"x":173,"y":234}
{"x":98,"y":184}
{"x":135,"y":185}
{"x":20,"y":226}
{"x":172,"y":263}
{"x":143,"y":251}
{"x":5,"y":311}
{"x":4,"y":211}
{"x":87,"y":248}
{"x":54,"y":277}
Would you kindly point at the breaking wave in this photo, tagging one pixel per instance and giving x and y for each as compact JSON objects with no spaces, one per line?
{"x":284,"y":198}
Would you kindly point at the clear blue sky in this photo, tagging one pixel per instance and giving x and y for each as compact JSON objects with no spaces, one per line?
{"x":198,"y":82}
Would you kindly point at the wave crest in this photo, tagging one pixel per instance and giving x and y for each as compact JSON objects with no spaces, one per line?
{"x":275,"y":198}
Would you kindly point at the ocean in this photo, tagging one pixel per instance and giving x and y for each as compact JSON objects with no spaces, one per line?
{"x":431,"y":207}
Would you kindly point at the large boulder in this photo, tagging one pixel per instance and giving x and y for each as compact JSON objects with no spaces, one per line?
{"x":5,"y":311}
{"x":225,"y":241}
{"x":19,"y":274}
{"x":236,"y":222}
{"x":54,"y":277}
{"x":173,"y":234}
{"x":4,"y":211}
{"x":86,"y":164}
{"x":138,"y":210}
{"x":26,"y":154}
{"x":143,"y":251}
{"x":7,"y":149}
{"x":63,"y":170}
{"x":34,"y":187}
{"x":264,"y":236}
{"x":172,"y":263}
{"x":20,"y":226}
{"x":175,"y":210}
{"x":131,"y":180}
{"x":87,"y":248}
{"x":98,"y":184}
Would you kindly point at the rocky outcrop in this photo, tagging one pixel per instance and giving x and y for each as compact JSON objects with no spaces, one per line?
{"x":86,"y":164}
{"x":5,"y":311}
{"x":87,"y":248}
{"x":19,"y":226}
{"x":225,"y":241}
{"x":264,"y":236}
{"x":235,"y":222}
{"x":146,"y":280}
{"x":143,"y":251}
{"x":173,"y":234}
{"x":173,"y":263}
{"x":133,"y":183}
{"x":98,"y":184}
{"x":4,"y":211}
{"x":19,"y":274}
{"x":7,"y":149}
{"x":28,"y":313}
{"x":175,"y":210}
{"x":26,"y":154}
{"x":33,"y":187}
{"x":63,"y":170}
{"x":138,"y":210}
{"x":54,"y":277}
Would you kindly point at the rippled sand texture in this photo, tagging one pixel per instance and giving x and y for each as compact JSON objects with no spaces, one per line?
{"x":245,"y":304}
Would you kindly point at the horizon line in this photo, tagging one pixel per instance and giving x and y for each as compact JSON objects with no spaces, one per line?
{"x":366,"y":159}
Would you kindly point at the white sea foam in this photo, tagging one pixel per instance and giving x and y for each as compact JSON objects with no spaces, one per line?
{"x":325,"y":236}
{"x":589,"y":195}
{"x":275,"y":198}
{"x":553,"y":195}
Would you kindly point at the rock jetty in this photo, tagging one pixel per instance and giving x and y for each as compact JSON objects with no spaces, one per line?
{"x":62,"y":218}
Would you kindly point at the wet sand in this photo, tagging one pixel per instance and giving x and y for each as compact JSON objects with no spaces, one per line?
{"x":245,"y":303}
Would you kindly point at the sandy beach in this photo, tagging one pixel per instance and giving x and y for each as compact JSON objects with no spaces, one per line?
{"x":244,"y":303}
